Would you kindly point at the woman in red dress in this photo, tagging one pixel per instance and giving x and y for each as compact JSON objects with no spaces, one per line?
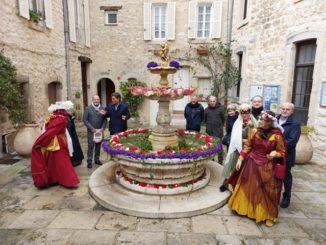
{"x":256,"y":188}
{"x":50,"y":161}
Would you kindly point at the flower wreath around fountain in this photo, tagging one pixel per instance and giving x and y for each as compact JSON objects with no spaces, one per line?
{"x":168,"y":92}
{"x":166,"y":156}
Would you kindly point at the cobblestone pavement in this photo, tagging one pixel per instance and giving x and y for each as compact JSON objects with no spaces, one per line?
{"x":58,"y":215}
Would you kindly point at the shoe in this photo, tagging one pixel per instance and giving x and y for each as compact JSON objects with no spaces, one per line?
{"x":269,"y":223}
{"x":89,"y":165}
{"x":285,"y":202}
{"x":223,"y":188}
{"x":98,"y":163}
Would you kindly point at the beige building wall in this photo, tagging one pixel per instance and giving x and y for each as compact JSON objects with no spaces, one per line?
{"x":120,"y":52}
{"x":268,"y":37}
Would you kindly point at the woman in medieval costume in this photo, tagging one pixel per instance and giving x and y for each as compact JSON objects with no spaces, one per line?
{"x":256,"y":188}
{"x":239,"y":135}
{"x":50,"y":159}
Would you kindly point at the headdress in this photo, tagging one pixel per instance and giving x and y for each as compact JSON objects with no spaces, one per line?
{"x":61,"y":105}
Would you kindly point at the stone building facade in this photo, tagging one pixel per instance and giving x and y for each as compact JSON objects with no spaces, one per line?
{"x":37,"y":48}
{"x":123,"y":45}
{"x":281,"y":46}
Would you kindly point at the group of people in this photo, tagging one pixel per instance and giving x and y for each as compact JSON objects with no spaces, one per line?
{"x":260,"y":146}
{"x":257,"y":142}
{"x":57,"y":151}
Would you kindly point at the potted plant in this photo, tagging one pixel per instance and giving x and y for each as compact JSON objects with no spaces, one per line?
{"x":77,"y":106}
{"x":35,"y":15}
{"x":77,"y":95}
{"x":304,"y":149}
{"x":12,"y":103}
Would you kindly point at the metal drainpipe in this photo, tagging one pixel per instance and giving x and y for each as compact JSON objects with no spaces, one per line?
{"x":67,"y":56}
{"x":229,"y":24}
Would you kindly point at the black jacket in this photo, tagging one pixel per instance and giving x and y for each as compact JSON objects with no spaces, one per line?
{"x":117,"y":124}
{"x":214,"y":118}
{"x":292,"y":131}
{"x":194,"y":114}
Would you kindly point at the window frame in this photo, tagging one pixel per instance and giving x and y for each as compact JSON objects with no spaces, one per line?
{"x":109,"y":12}
{"x":205,"y":5}
{"x":154,"y":6}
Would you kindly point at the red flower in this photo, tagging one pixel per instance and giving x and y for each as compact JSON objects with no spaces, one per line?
{"x":208,"y":138}
{"x":164,"y":186}
{"x":198,"y":135}
{"x":126,"y":134}
{"x":133,"y":149}
{"x":199,"y":149}
{"x":181,"y":131}
{"x":142,"y":184}
{"x":160,"y":152}
{"x":176,"y":185}
{"x":155,"y":186}
{"x":143,"y":151}
{"x":184,"y":149}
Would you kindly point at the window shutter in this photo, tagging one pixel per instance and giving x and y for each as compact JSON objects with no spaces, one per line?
{"x":192,"y":19}
{"x":171,"y":21}
{"x":216,"y":19}
{"x":147,"y":21}
{"x":72,"y":22}
{"x":87,"y":27}
{"x":48,"y":13}
{"x":24,"y":8}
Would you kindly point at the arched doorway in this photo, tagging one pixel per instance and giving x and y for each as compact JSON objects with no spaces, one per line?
{"x":105,"y":88}
{"x":54,"y":92}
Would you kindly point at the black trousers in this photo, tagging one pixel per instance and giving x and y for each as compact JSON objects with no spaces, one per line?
{"x":287,"y":183}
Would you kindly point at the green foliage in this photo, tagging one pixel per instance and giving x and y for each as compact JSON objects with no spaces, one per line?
{"x":141,"y":141}
{"x":35,"y":15}
{"x":224,"y":73}
{"x":11,"y":98}
{"x":131,"y":100}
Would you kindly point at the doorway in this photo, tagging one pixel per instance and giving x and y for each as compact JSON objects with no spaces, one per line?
{"x":303,"y":79}
{"x":105,"y":88}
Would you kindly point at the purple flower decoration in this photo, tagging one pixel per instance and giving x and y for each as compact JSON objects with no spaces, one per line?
{"x":152,"y":64}
{"x":175,"y":64}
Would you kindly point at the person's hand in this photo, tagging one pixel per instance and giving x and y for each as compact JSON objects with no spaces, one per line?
{"x":239,"y":163}
{"x":102,"y":112}
{"x":124,"y":117}
{"x":272,"y":155}
{"x":93,"y":130}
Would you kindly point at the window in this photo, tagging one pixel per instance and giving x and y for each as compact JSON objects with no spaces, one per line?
{"x":111,"y":18}
{"x":38,"y":11}
{"x":204,"y":20}
{"x":240,"y":55}
{"x":204,"y":88}
{"x":304,"y":68}
{"x":159,"y":21}
{"x":54,"y":92}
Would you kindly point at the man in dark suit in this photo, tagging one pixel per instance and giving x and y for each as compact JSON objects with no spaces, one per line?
{"x":292,"y":133}
{"x":94,"y":121}
{"x":118,"y":113}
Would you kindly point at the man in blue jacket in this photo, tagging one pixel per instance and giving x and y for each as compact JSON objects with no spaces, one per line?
{"x":194,"y":114}
{"x":292,"y":133}
{"x":118,"y":113}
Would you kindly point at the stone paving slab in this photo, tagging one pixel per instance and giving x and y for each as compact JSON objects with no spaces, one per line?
{"x":85,"y":203}
{"x":316,"y":228}
{"x":34,"y":219}
{"x":286,"y":241}
{"x":6,"y":218}
{"x":238,"y":225}
{"x":116,"y":221}
{"x":312,"y":197}
{"x":190,"y":239}
{"x":284,"y":228}
{"x":313,"y":211}
{"x":169,"y":225}
{"x":93,"y":237}
{"x":12,"y":236}
{"x":144,"y":238}
{"x":76,"y":220}
{"x":44,"y":202}
{"x":208,"y":224}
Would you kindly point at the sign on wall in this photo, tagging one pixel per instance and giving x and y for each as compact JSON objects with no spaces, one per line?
{"x":270,"y":93}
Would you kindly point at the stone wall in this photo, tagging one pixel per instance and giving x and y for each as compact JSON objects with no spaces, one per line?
{"x":267,"y":39}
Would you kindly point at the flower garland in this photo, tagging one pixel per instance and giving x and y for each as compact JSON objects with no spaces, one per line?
{"x":159,"y":186}
{"x":206,"y":150}
{"x":169,"y":92}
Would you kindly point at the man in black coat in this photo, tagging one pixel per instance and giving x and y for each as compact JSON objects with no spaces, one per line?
{"x":194,"y":114}
{"x":215,"y":118}
{"x":292,"y":131}
{"x":257,"y":106}
{"x":118,"y":113}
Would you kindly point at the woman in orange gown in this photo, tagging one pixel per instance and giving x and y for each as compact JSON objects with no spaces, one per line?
{"x":50,"y":161}
{"x":256,"y":190}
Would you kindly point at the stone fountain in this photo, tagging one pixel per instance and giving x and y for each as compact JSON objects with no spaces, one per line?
{"x":156,"y":185}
